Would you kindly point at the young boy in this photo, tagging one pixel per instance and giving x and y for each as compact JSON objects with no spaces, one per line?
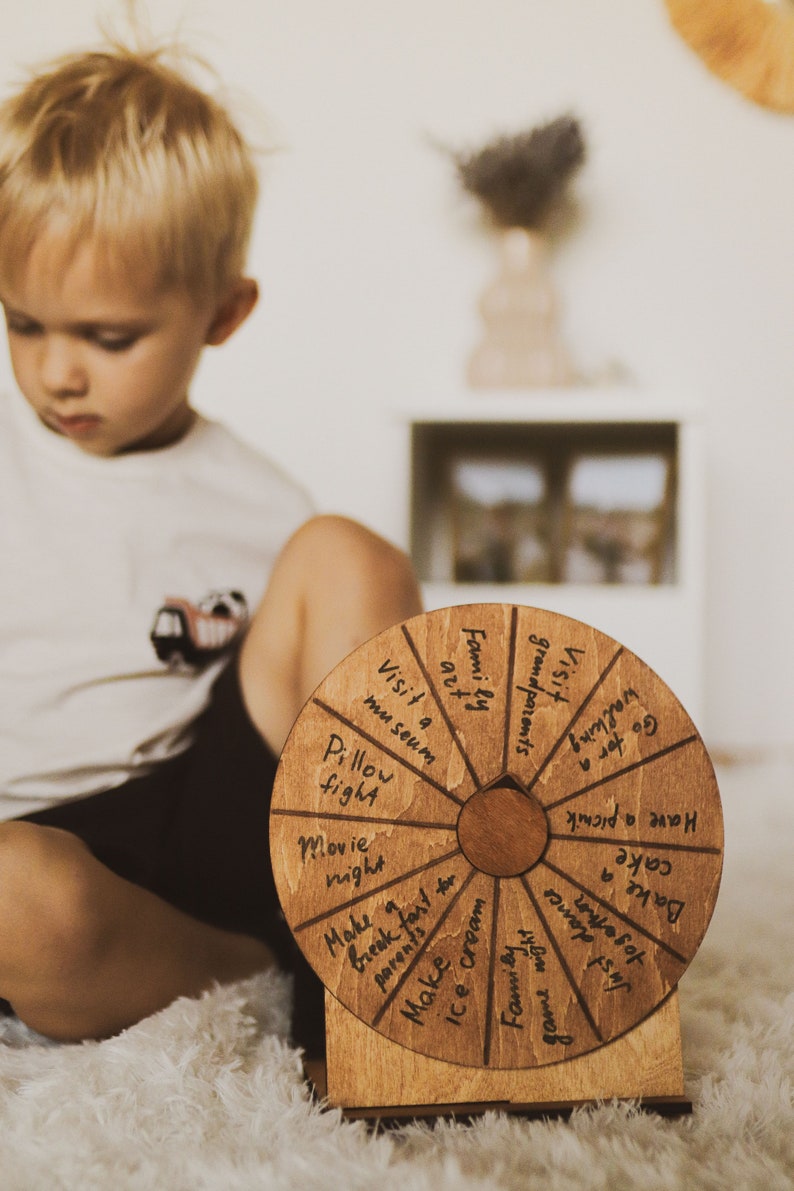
{"x":164,"y":619}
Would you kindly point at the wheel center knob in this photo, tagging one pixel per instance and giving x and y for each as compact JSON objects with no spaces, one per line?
{"x":502,"y":829}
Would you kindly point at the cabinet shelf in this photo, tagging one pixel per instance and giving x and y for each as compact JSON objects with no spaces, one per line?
{"x":585,"y":503}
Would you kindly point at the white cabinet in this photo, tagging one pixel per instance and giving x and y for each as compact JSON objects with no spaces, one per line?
{"x":586,"y":502}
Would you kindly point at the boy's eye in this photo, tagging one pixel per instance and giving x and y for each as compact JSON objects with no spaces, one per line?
{"x":113,"y":343}
{"x":107,"y":341}
{"x":19,"y":326}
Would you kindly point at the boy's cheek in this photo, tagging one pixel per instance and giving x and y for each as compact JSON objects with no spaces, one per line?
{"x":22,"y":371}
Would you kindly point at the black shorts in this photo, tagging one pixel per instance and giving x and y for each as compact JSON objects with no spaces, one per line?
{"x":195,"y":832}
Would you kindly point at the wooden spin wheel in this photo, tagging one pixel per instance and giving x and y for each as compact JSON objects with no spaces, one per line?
{"x":497,"y":838}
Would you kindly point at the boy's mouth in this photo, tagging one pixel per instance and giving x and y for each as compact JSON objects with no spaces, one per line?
{"x":76,"y":426}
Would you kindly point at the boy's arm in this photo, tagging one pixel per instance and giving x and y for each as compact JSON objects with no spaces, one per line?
{"x":335,"y":585}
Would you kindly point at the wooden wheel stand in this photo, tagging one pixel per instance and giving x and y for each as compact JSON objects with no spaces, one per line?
{"x":497,"y":838}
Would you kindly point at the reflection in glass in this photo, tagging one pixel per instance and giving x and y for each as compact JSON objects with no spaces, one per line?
{"x":500,"y":525}
{"x":618,"y":514}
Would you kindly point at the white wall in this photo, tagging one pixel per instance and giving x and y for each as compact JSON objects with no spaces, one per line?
{"x":371,"y":262}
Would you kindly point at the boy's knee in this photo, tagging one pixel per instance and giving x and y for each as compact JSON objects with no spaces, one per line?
{"x":359,"y":559}
{"x":335,"y":585}
{"x":46,"y":893}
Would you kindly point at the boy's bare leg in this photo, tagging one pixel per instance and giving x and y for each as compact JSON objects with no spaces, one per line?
{"x":84,"y":953}
{"x":335,"y":585}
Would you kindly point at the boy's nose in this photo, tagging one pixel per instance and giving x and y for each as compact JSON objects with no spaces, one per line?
{"x":62,"y":372}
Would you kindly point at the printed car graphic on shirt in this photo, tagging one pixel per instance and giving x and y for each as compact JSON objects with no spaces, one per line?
{"x":196,"y":633}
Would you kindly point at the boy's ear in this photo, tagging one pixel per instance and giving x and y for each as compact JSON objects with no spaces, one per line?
{"x":233,"y":310}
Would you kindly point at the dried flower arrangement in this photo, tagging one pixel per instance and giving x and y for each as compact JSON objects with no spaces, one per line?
{"x":519,"y":179}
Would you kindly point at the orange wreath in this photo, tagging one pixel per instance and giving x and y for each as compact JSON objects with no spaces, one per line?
{"x":748,"y":43}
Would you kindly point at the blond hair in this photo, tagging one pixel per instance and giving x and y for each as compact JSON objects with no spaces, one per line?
{"x":119,"y":146}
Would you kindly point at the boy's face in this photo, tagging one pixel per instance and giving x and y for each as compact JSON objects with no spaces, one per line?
{"x":101,"y":358}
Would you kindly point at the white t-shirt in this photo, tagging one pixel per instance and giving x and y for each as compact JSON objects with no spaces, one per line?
{"x":96,"y":555}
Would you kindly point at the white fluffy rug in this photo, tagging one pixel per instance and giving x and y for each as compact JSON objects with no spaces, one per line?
{"x":206,"y":1095}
